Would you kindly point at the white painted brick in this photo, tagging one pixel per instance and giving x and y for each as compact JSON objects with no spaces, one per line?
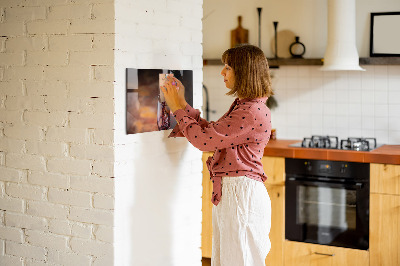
{"x":74,"y":135}
{"x":69,"y":197}
{"x":47,"y":58}
{"x":44,"y":27}
{"x":11,"y":88}
{"x":25,"y":191}
{"x":24,"y":13}
{"x":46,"y":118}
{"x":46,"y":2}
{"x":12,"y":28}
{"x":11,"y":233}
{"x":81,"y":73}
{"x":82,"y":230}
{"x":32,"y":262}
{"x":97,"y":105}
{"x":103,"y":202}
{"x":105,"y":233}
{"x":91,"y":89}
{"x":104,"y":73}
{"x":96,"y":57}
{"x":3,"y":44}
{"x":105,"y":260}
{"x":93,"y":184}
{"x":24,"y":73}
{"x":56,"y":103}
{"x":25,"y":221}
{"x":60,"y":227}
{"x":11,"y":59}
{"x":21,"y":43}
{"x":70,"y":12}
{"x":11,"y":117}
{"x":98,"y":120}
{"x":104,"y":169}
{"x":91,"y":247}
{"x":25,"y":161}
{"x":7,"y":260}
{"x":91,"y":26}
{"x":71,"y":42}
{"x":190,"y":48}
{"x":103,"y":11}
{"x":103,"y":41}
{"x":47,"y":240}
{"x":46,"y":148}
{"x":12,"y":145}
{"x":95,"y":216}
{"x":24,"y":132}
{"x":2,"y":158}
{"x":92,"y":151}
{"x":70,"y":166}
{"x":46,"y":209}
{"x":25,"y":250}
{"x":25,"y":103}
{"x":48,"y":179}
{"x":68,"y":258}
{"x":101,"y":136}
{"x":12,"y":204}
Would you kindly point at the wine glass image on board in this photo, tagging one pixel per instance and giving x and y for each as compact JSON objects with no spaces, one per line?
{"x":146,"y":109}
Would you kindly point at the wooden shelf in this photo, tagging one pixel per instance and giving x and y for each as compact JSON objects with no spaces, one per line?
{"x":380,"y":61}
{"x":274,"y":63}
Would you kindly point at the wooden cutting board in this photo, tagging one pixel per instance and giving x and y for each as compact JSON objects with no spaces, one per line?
{"x":239,"y":35}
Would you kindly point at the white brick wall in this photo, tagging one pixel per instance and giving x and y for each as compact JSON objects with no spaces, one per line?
{"x":156,"y":177}
{"x":56,"y":132}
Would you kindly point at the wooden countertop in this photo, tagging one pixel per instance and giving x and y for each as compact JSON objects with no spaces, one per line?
{"x":389,"y":154}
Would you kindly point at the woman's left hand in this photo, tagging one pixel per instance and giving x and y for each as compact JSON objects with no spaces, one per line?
{"x":170,"y":90}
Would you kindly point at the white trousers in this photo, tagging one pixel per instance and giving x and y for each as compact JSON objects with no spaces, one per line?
{"x":241,"y":223}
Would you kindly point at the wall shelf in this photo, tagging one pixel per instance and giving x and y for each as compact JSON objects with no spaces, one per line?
{"x":274,"y":63}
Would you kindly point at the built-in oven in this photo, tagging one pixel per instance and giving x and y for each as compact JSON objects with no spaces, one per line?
{"x":327,"y":202}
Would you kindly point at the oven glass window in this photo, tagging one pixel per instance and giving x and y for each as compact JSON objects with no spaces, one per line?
{"x":326,"y":207}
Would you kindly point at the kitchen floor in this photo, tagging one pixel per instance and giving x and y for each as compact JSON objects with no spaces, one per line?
{"x":206,"y":261}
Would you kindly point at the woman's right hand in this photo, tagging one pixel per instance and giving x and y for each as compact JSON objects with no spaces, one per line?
{"x":181,"y":90}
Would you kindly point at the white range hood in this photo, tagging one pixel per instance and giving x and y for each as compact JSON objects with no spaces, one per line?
{"x":341,"y":51}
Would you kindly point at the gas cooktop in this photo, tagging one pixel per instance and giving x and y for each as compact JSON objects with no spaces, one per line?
{"x":332,"y":142}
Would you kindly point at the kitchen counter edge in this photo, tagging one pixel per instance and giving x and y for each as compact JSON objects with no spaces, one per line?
{"x":385,"y":154}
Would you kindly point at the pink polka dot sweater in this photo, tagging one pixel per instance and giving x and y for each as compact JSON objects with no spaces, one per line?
{"x":238,"y":139}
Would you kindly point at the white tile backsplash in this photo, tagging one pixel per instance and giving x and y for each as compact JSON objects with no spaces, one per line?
{"x":343,"y":103}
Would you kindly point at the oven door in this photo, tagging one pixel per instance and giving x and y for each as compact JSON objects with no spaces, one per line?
{"x":327,"y":213}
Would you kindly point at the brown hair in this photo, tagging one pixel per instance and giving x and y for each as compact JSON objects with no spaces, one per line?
{"x":250,"y":66}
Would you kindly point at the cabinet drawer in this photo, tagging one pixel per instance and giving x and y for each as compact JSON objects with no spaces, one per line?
{"x":305,"y":254}
{"x":274,"y":168}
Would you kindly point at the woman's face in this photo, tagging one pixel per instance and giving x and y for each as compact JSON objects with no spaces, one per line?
{"x":229,"y":76}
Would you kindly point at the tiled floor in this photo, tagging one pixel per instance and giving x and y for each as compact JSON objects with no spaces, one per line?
{"x":206,"y":261}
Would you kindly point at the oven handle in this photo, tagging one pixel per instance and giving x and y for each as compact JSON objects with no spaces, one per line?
{"x":357,"y":185}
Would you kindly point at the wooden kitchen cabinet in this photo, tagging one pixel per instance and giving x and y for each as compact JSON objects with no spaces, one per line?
{"x":206,"y":225}
{"x":305,"y":254}
{"x":385,"y":178}
{"x":274,"y":168}
{"x":384,"y":236}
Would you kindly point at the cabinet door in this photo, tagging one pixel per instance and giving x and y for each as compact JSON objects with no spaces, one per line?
{"x":384,"y":229}
{"x":304,"y":254}
{"x":274,"y":168}
{"x":206,"y":232}
{"x":385,"y":178}
{"x":277,"y":233}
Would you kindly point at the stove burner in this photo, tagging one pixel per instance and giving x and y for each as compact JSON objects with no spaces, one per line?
{"x":328,"y":142}
{"x":358,"y":144}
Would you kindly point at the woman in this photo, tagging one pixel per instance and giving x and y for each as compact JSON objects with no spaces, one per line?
{"x":242,"y":208}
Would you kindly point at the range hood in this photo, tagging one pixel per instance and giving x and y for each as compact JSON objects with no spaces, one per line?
{"x":341,"y":51}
